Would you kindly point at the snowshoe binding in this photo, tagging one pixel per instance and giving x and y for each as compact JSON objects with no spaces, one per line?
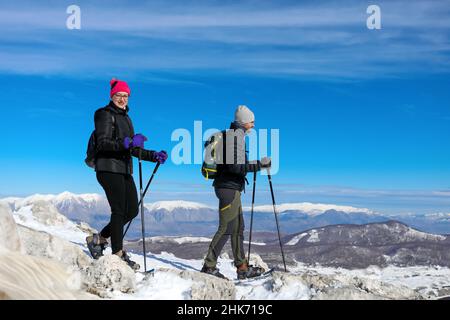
{"x":249,"y":271}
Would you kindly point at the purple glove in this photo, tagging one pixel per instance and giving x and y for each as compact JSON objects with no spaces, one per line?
{"x":136,"y":142}
{"x":127,"y":142}
{"x":160,"y":156}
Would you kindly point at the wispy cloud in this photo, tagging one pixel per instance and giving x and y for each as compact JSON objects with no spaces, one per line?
{"x":324,"y":39}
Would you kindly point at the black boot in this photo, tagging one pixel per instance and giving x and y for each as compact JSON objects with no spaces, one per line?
{"x":95,"y":246}
{"x":213,"y":271}
{"x":133,"y":265}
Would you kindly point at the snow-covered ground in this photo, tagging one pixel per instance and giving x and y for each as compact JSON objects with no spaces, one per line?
{"x":424,"y":279}
{"x":182,"y":240}
{"x":166,"y":285}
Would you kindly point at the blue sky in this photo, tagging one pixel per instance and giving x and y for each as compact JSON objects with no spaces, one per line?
{"x":363,"y":115}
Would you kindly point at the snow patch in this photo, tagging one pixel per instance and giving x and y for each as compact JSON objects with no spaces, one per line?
{"x":179,"y":240}
{"x":60,"y":225}
{"x":173,"y":205}
{"x":296,"y":239}
{"x":313,"y":236}
{"x":422,"y":235}
{"x":163,"y":286}
{"x":309,"y":208}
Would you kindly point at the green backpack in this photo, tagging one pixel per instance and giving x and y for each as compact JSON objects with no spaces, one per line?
{"x":212,"y":157}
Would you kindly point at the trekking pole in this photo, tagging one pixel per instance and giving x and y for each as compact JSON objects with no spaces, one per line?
{"x":145,"y":192}
{"x":142,"y":210}
{"x":251,"y":219}
{"x":276,"y":217}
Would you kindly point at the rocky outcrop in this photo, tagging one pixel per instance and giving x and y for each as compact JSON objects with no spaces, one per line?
{"x":35,"y":276}
{"x":47,"y":214}
{"x":27,"y":277}
{"x":107,"y":274}
{"x":43,"y":244}
{"x":204,"y":286}
{"x":345,"y":287}
{"x":9,"y":238}
{"x":316,"y":286}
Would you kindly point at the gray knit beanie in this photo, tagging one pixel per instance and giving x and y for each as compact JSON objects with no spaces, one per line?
{"x":243,"y":115}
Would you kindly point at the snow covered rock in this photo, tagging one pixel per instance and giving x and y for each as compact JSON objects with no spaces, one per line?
{"x":346,"y":287}
{"x":256,"y":260}
{"x":83,"y":226}
{"x":43,"y":244}
{"x":47,"y":214}
{"x":9,"y":238}
{"x":346,"y":293}
{"x":108,"y":274}
{"x":280,"y":286}
{"x":187,"y":285}
{"x":319,"y":286}
{"x":44,"y":216}
{"x":22,"y":277}
{"x":206,"y":287}
{"x":382,"y":289}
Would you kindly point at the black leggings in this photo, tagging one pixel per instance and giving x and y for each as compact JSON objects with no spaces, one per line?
{"x":122,"y":197}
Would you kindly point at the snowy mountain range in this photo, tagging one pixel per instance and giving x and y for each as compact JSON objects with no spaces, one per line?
{"x":179,"y":218}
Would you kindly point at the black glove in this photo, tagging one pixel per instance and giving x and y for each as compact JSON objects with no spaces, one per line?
{"x":266,"y":162}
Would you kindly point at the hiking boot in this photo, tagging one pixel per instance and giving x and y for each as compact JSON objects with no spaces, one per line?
{"x":248,"y":271}
{"x":133,"y":265}
{"x":96,"y":246}
{"x":212,"y":271}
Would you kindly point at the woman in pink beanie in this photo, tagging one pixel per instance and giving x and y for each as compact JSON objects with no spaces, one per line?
{"x":116,"y":143}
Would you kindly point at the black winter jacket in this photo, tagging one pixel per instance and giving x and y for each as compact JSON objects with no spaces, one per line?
{"x":231,"y":174}
{"x":111,"y":153}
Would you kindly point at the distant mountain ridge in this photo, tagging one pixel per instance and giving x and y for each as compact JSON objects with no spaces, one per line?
{"x":345,"y":246}
{"x":180,"y":218}
{"x":359,"y":246}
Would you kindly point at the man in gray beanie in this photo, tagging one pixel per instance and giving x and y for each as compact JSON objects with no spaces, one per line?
{"x":229,"y":183}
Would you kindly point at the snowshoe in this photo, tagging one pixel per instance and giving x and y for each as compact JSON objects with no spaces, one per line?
{"x":95,"y":246}
{"x":252,"y":272}
{"x":213,"y":271}
{"x":263,"y":275}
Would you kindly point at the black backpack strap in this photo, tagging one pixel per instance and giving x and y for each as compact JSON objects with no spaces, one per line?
{"x":113,"y":121}
{"x":114,"y":125}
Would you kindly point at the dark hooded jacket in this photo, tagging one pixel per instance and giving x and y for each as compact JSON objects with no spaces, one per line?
{"x":232,"y":173}
{"x":110,"y":133}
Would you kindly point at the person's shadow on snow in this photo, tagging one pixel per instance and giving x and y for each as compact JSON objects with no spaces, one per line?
{"x":177,"y":265}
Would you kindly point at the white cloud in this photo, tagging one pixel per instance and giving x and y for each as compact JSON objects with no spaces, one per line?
{"x":320,"y":40}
